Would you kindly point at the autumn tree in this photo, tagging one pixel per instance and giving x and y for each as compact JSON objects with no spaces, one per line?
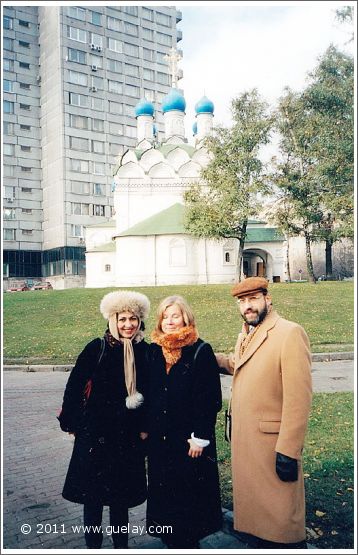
{"x":220,"y":205}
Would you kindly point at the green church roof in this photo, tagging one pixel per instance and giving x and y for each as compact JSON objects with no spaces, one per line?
{"x":168,"y":222}
{"x":106,"y":247}
{"x":263,"y":235}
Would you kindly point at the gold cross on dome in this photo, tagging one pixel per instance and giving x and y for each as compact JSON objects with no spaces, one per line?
{"x":173,"y":58}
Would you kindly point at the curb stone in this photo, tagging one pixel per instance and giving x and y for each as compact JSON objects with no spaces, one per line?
{"x":316,"y":357}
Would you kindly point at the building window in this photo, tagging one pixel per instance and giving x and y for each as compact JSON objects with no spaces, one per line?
{"x":97,"y":82}
{"x":148,"y":54}
{"x":80,"y":209}
{"x":79,"y":122}
{"x":26,"y":210}
{"x":148,"y":74}
{"x":78,"y":100}
{"x":8,"y":86}
{"x":9,"y":192}
{"x":77,"y":78}
{"x":115,"y":87}
{"x":26,"y":190}
{"x":24,"y":65}
{"x":96,"y":61}
{"x":27,"y":231}
{"x":96,"y":39}
{"x":99,"y":168}
{"x":79,"y":165}
{"x":77,"y":56}
{"x":24,"y":127}
{"x":26,"y":86}
{"x":9,"y":234}
{"x":116,"y":128}
{"x":97,"y":104}
{"x":114,"y":65}
{"x":25,"y":148}
{"x":78,"y":143}
{"x":96,"y":18}
{"x":24,"y":44}
{"x":97,"y":124}
{"x":114,"y":24}
{"x":8,"y":44}
{"x":25,"y":169}
{"x":115,"y":107}
{"x":8,"y":128}
{"x":77,"y":13}
{"x":7,"y":22}
{"x":98,"y":210}
{"x":80,"y":187}
{"x":130,"y":29}
{"x":161,"y":58}
{"x":9,"y":214}
{"x":131,"y":10}
{"x":107,"y":267}
{"x":228,"y":254}
{"x":147,"y":14}
{"x":130,"y":90}
{"x":98,"y":147}
{"x":8,"y":64}
{"x":23,"y":23}
{"x":148,"y":34}
{"x":76,"y":34}
{"x":8,"y":172}
{"x":25,"y":106}
{"x":162,"y":38}
{"x":163,"y":19}
{"x":98,"y":189}
{"x":115,"y":150}
{"x":130,"y":131}
{"x":163,"y":78}
{"x":131,"y":50}
{"x":115,"y":45}
{"x":9,"y":150}
{"x":77,"y":230}
{"x":131,"y":70}
{"x":149,"y":95}
{"x":5,"y":270}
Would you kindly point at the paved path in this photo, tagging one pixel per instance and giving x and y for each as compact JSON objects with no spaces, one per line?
{"x":36,"y":456}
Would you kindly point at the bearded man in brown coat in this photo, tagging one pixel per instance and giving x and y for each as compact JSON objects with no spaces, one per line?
{"x":271,"y":401}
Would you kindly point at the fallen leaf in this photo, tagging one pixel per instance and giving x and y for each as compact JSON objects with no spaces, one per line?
{"x":319,"y":513}
{"x":334,"y":533}
{"x":306,"y":475}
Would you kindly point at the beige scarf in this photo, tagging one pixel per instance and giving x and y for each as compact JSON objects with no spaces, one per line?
{"x":134,"y":399}
{"x":172,"y":343}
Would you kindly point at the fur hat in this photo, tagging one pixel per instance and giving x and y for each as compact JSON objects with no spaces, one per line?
{"x":249,"y":286}
{"x":122,"y":301}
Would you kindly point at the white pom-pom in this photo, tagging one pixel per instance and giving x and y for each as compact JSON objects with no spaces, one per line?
{"x":134,"y":401}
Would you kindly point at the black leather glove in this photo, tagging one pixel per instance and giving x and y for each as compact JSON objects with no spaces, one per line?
{"x":286,"y":468}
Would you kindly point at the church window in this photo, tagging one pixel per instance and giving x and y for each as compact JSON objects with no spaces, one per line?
{"x":177,"y":252}
{"x":229,"y":253}
{"x":107,"y":268}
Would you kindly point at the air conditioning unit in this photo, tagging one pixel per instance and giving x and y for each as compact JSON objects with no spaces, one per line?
{"x":93,"y":46}
{"x":99,"y":48}
{"x":94,"y":68}
{"x":10,"y":200}
{"x":82,"y":240}
{"x":93,"y":89}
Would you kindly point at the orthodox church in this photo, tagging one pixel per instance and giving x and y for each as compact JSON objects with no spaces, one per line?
{"x":146,"y":242}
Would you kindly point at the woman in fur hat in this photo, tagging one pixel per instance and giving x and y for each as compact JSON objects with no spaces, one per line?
{"x":184,"y":398}
{"x":107,"y":463}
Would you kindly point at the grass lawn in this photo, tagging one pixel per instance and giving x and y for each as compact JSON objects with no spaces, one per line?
{"x":54,"y":326}
{"x":328,"y":468}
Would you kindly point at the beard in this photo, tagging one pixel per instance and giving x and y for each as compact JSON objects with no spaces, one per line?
{"x":255,"y":317}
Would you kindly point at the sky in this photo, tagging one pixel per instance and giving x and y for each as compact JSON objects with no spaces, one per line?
{"x":232,"y":47}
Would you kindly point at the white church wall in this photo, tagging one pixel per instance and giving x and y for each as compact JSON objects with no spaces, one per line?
{"x":100,"y":269}
{"x":99,"y":236}
{"x":135,"y":261}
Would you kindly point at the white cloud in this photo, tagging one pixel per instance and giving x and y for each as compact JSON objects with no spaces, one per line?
{"x":233,"y":48}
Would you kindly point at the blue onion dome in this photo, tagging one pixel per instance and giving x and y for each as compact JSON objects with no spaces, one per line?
{"x":144,"y":108}
{"x":195,"y":128}
{"x":204,"y":106}
{"x":174,"y":101}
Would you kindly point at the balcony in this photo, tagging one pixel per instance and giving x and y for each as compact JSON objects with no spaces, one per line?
{"x":179,"y":16}
{"x":179,"y":35}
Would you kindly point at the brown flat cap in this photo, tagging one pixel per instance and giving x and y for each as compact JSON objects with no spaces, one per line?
{"x":249,"y":285}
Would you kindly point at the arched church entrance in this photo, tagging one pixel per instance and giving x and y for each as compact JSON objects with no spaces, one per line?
{"x":257,"y":262}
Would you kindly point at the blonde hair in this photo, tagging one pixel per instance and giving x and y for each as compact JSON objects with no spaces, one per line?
{"x":187,"y":312}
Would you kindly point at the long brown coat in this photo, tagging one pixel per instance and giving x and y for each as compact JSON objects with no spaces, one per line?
{"x":271,"y":400}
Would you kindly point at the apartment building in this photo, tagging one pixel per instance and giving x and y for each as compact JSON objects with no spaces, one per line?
{"x":72,"y":77}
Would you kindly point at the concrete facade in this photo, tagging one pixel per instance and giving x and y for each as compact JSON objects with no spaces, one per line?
{"x":84,"y":70}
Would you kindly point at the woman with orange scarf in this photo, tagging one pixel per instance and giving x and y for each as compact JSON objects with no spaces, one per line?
{"x":183,"y":401}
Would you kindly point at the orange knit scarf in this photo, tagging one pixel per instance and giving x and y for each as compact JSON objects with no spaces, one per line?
{"x":172,"y":343}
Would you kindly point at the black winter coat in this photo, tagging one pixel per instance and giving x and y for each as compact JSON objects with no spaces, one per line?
{"x":107,"y":463}
{"x":183,"y":492}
